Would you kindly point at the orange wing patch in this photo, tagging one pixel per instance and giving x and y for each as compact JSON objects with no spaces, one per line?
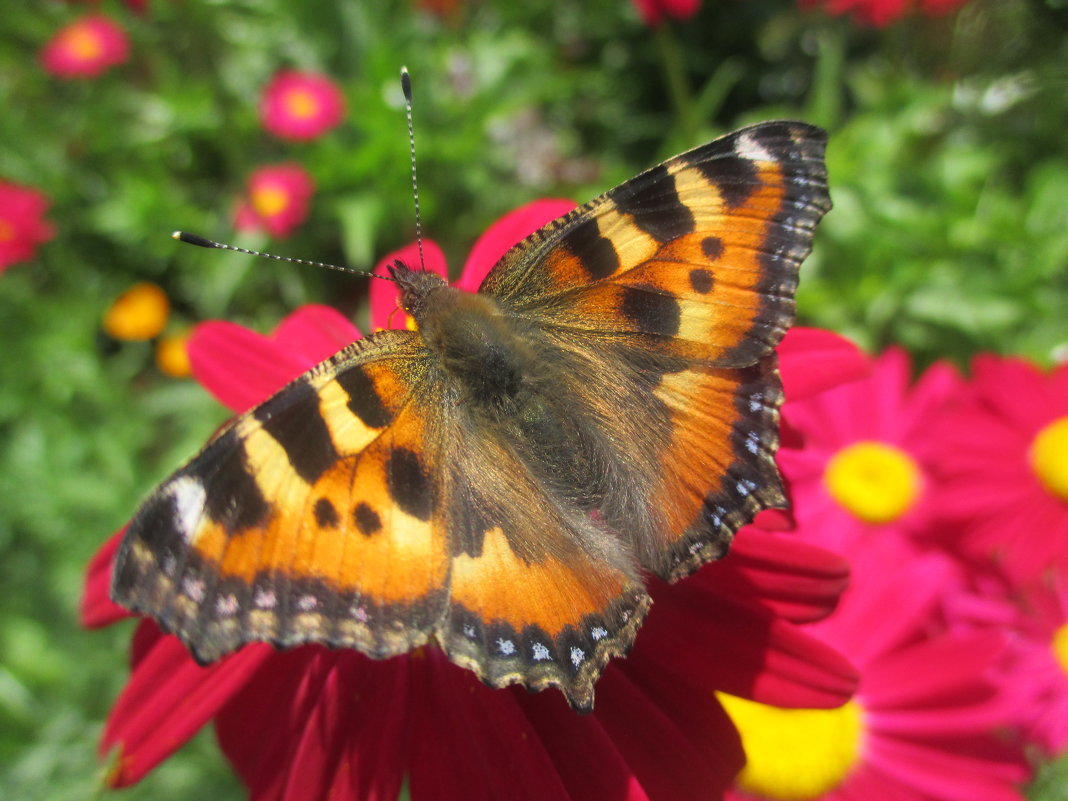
{"x":718,"y":468}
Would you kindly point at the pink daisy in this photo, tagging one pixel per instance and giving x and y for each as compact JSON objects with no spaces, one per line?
{"x":343,"y":726}
{"x":924,"y":723}
{"x":86,"y":48}
{"x":1003,"y":487}
{"x":301,"y":105}
{"x":883,"y":12}
{"x":277,"y":200}
{"x":22,"y":223}
{"x":857,"y":457}
{"x":653,"y":12}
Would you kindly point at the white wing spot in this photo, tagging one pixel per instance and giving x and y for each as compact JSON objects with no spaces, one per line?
{"x":188,"y":495}
{"x":578,"y":656}
{"x":506,"y":647}
{"x":752,"y":442}
{"x":194,"y":588}
{"x":541,"y":653}
{"x":756,"y":402}
{"x":264,"y":599}
{"x":307,"y":603}
{"x":169,"y":565}
{"x":748,"y":147}
{"x":360,"y":614}
{"x":226,"y":605}
{"x":599,"y":633}
{"x":469,"y":631}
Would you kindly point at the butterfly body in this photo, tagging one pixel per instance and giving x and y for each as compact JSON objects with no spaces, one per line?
{"x":500,"y":478}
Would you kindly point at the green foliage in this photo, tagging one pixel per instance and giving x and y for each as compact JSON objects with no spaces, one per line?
{"x":950,"y":234}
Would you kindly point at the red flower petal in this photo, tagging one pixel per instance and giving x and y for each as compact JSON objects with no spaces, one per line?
{"x":97,"y":608}
{"x":508,"y":231}
{"x":315,"y":333}
{"x":812,"y":360}
{"x":793,"y":579}
{"x":167,"y":699}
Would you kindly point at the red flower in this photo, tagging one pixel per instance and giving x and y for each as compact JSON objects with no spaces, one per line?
{"x":86,"y":48}
{"x":1004,"y":466}
{"x":857,"y":457}
{"x":882,"y":12}
{"x":277,"y":200}
{"x":22,"y":223}
{"x":922,"y":724}
{"x":344,"y":726}
{"x":301,"y":105}
{"x":654,"y":11}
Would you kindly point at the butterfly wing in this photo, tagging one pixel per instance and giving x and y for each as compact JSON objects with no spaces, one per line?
{"x":362,"y":506}
{"x":311,"y":518}
{"x":669,"y":294}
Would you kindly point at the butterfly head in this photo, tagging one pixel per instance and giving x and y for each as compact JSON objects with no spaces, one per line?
{"x":415,"y":286}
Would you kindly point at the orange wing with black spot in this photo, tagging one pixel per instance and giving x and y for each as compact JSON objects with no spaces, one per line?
{"x":671,"y":291}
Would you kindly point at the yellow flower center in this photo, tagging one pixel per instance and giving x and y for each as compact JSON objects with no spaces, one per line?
{"x":876,"y":482}
{"x":138,"y":313}
{"x":1049,"y":457}
{"x":795,"y":754}
{"x":1060,"y":647}
{"x":269,"y":200}
{"x":7,"y":230}
{"x":172,"y":358}
{"x":83,"y":44}
{"x":301,"y":103}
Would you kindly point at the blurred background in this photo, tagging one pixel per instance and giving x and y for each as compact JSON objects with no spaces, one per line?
{"x":122,"y":121}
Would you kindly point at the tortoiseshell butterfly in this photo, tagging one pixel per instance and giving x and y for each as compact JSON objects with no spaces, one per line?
{"x":500,"y":478}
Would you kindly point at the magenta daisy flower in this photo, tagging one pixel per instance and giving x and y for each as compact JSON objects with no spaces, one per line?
{"x":343,"y":726}
{"x":22,"y":223}
{"x":653,"y":12}
{"x":301,"y":105}
{"x":1003,"y":487}
{"x":924,"y":723}
{"x":883,"y":12}
{"x":86,"y":48}
{"x":277,"y":200}
{"x":857,"y":457}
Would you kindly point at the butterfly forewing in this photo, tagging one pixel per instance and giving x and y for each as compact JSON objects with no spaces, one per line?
{"x":700,"y":255}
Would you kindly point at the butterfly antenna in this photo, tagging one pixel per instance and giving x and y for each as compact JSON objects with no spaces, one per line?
{"x":194,"y":239}
{"x":406,"y":87}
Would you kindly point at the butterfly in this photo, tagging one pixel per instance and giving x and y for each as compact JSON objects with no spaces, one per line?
{"x":502,"y":479}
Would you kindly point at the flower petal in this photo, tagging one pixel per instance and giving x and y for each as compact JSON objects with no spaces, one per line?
{"x":791,"y":578}
{"x":241,"y":368}
{"x":315,"y":333}
{"x":472,"y":743}
{"x":812,"y":360}
{"x":97,"y":608}
{"x":167,"y":699}
{"x":508,"y":231}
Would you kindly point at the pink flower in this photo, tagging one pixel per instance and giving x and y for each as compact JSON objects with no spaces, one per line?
{"x":86,"y":48}
{"x":857,"y":457}
{"x":883,"y":12}
{"x":923,"y":724}
{"x":301,"y":105}
{"x":653,"y":12}
{"x":343,"y":726}
{"x":277,"y":200}
{"x":22,"y":223}
{"x":1003,"y":472}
